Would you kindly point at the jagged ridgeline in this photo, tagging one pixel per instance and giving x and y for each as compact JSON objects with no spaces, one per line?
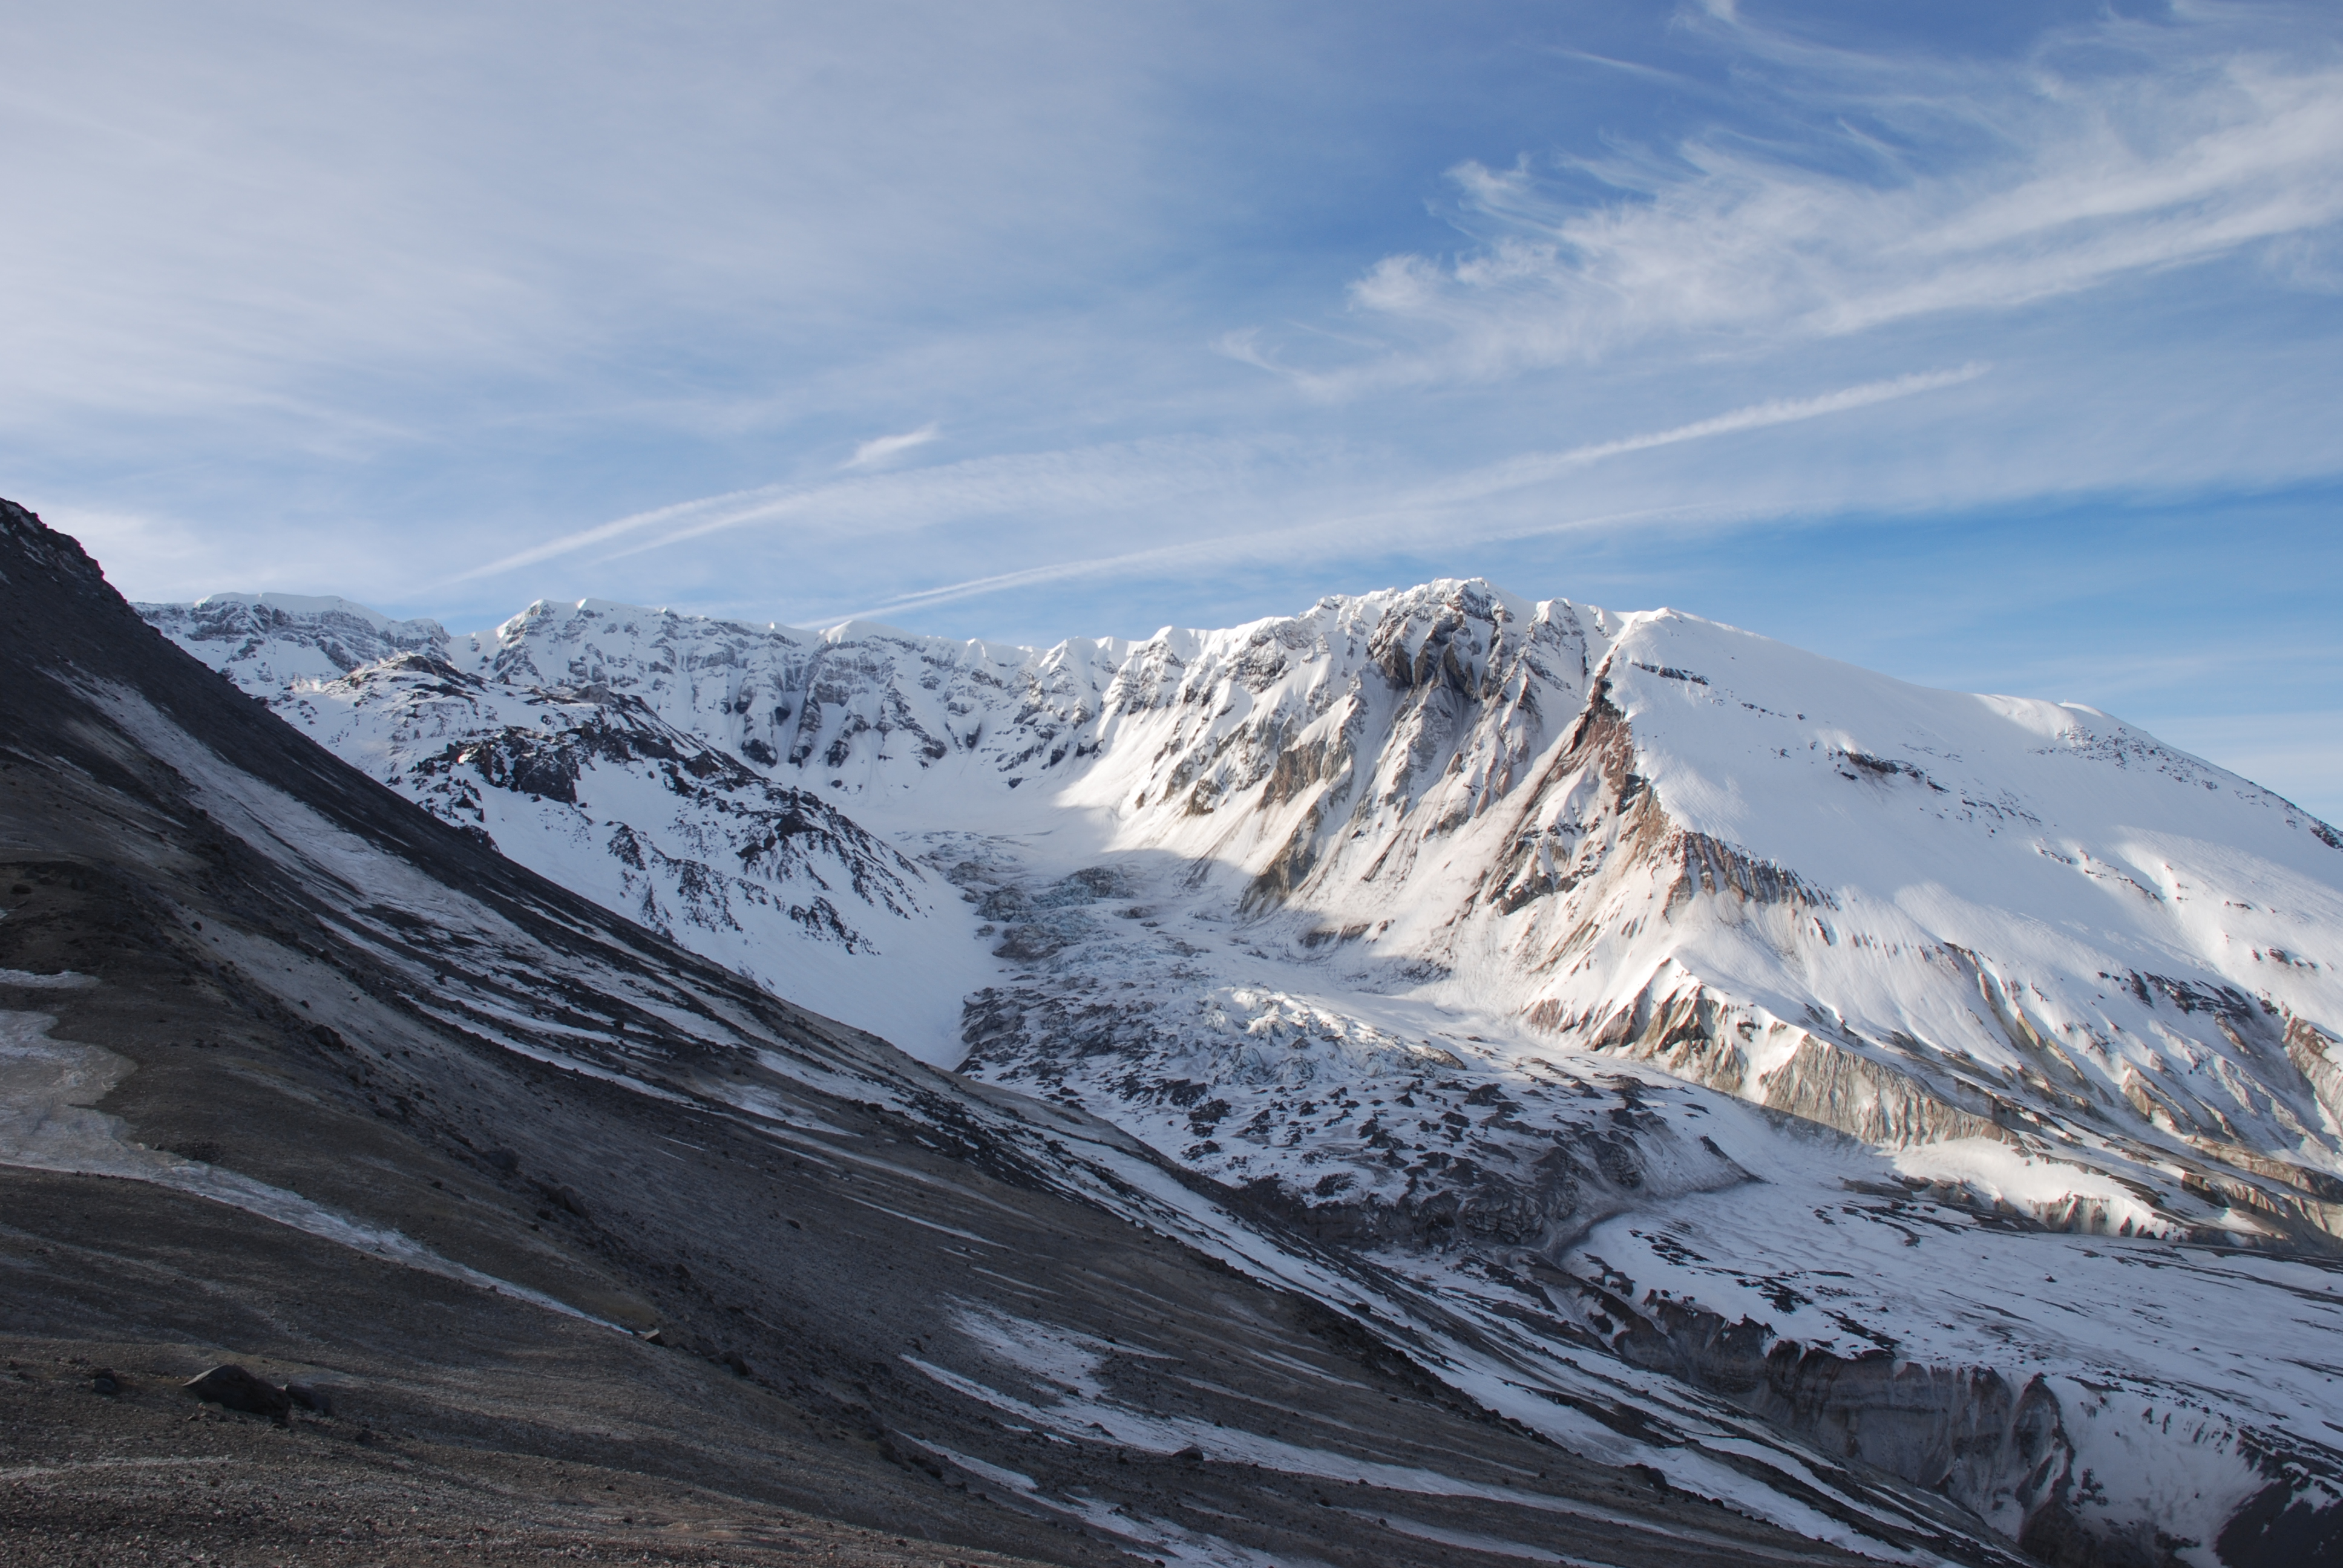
{"x":1908,"y":1068}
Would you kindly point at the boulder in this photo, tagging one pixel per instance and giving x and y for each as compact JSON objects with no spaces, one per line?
{"x":564,"y":1198}
{"x":317,"y":1401}
{"x":233,"y":1388}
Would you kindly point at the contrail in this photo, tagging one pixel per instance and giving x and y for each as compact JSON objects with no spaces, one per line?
{"x":611,"y":531}
{"x":1513,"y":473}
{"x":1531,"y":467}
{"x":711,"y":514}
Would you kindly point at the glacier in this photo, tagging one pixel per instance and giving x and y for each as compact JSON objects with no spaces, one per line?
{"x":1949,"y":1083}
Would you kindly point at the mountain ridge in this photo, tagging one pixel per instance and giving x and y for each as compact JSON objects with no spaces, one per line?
{"x":1347,"y":908}
{"x":298,"y":1076}
{"x":1291,"y":758}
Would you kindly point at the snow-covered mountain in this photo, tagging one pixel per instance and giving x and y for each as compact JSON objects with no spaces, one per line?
{"x":593,"y":787}
{"x":1947,"y":1079}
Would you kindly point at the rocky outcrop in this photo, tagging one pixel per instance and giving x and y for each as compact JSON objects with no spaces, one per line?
{"x":231,"y":1387}
{"x":2313,"y":1051}
{"x":1999,"y":1445}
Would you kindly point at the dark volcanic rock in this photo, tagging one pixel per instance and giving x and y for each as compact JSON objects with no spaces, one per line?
{"x":231,"y":1386}
{"x":315,"y":1401}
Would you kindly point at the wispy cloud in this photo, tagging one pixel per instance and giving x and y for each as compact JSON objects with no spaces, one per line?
{"x":678,"y":515}
{"x":1534,"y":467}
{"x":1082,"y":484}
{"x":1934,"y":188}
{"x":879,"y":448}
{"x":282,"y":331}
{"x":1408,"y":512}
{"x":1355,"y":531}
{"x":248,"y":226}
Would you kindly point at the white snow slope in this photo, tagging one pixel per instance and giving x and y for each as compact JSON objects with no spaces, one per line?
{"x":1952,"y":1081}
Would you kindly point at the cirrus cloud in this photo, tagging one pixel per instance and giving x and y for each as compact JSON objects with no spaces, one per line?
{"x":1921,"y":187}
{"x":880,"y":448}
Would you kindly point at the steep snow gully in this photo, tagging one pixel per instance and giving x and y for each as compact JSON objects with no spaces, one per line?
{"x":1951,"y":1082}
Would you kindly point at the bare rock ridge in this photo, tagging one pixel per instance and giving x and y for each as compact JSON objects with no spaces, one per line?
{"x":1713,"y":1027}
{"x":598,"y":1244}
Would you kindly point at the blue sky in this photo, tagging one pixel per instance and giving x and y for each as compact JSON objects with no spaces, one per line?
{"x":1996,"y":345}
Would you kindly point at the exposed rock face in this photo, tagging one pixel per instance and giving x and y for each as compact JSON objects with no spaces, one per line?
{"x":2001,"y":1449}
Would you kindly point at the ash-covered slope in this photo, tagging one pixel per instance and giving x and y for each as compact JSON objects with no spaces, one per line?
{"x":298,"y":1076}
{"x":1386,"y":911}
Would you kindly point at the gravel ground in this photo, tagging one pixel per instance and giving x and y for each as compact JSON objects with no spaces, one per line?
{"x":148,"y":1476}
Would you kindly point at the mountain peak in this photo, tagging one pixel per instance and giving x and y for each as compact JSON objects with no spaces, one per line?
{"x":1351,"y":909}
